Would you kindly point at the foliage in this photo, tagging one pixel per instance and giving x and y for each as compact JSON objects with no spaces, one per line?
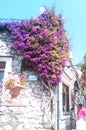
{"x":43,"y":43}
{"x":83,"y":66}
{"x":83,"y":69}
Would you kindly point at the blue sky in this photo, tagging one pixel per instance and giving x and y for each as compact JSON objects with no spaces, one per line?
{"x":73,"y":12}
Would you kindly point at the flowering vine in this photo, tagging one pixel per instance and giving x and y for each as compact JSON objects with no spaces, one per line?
{"x":43,"y":43}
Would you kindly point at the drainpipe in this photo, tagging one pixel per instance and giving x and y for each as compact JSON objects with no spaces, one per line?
{"x":58,"y":111}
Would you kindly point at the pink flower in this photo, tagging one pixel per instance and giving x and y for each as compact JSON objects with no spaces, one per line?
{"x":13,"y":81}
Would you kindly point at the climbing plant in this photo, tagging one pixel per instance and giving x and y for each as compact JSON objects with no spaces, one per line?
{"x":43,"y":43}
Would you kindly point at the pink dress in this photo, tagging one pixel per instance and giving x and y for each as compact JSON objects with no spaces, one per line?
{"x":81,"y":113}
{"x":81,"y":123}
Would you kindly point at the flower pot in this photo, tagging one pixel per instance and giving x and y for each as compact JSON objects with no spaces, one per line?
{"x":14,"y":92}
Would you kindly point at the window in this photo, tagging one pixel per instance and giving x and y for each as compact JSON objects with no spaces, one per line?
{"x":2,"y":69}
{"x":65,"y":99}
{"x":5,"y":66}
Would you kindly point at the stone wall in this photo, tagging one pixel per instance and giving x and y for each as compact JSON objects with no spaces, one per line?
{"x":6,"y":50}
{"x":30,"y":113}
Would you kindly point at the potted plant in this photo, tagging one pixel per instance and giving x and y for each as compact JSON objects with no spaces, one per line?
{"x":15,"y":84}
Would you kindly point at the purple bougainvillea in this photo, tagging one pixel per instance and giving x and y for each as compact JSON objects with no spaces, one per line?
{"x":43,"y":43}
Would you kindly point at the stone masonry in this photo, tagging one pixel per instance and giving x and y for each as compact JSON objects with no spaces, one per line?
{"x":29,"y":113}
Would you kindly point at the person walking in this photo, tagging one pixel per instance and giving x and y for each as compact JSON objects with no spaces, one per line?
{"x":72,"y":119}
{"x":80,"y":123}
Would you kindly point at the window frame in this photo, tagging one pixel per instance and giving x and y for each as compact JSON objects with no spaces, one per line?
{"x":65,"y":90}
{"x":8,"y":65}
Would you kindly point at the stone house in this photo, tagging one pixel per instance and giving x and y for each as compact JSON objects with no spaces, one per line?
{"x":34,"y":110}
